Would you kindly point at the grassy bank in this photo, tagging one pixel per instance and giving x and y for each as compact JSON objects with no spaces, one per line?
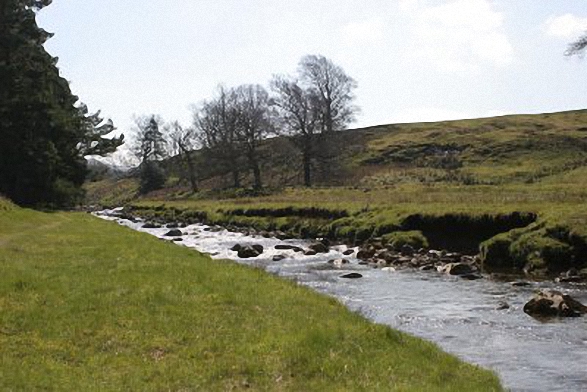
{"x":88,"y":305}
{"x":541,"y":229}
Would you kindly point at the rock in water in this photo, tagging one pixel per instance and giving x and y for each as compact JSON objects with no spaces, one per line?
{"x":258,"y":248}
{"x":174,"y":233}
{"x":246,"y":252}
{"x":278,"y":257}
{"x":456,"y":269}
{"x":236,"y":247}
{"x":551,"y":303}
{"x":348,"y":252}
{"x":319,"y":247}
{"x":352,"y":275}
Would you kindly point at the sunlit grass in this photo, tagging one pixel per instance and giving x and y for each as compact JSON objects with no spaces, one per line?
{"x":88,"y":305}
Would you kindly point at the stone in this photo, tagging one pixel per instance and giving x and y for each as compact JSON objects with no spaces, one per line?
{"x":348,"y":252}
{"x":352,"y":275}
{"x":502,"y":305}
{"x":365,"y":254}
{"x":521,"y":283}
{"x":456,"y":269}
{"x":258,"y":248}
{"x":310,"y":252}
{"x":278,"y":257}
{"x":173,"y":225}
{"x":287,"y":247}
{"x":552,"y":303}
{"x":177,"y":239}
{"x":319,"y":247}
{"x":174,"y":233}
{"x":427,"y":267}
{"x":407,"y":250}
{"x":236,"y":247}
{"x":151,"y":225}
{"x":388,"y":269}
{"x":246,"y":252}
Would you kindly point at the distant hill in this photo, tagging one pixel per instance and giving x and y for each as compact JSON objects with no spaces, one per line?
{"x":513,"y":149}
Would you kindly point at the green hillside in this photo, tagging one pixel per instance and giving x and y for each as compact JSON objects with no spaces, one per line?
{"x":463,"y":184}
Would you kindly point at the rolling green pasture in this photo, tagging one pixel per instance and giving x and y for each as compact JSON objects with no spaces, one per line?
{"x":88,"y":305}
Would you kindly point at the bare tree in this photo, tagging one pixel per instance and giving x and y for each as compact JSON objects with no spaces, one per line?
{"x":334,"y":89}
{"x":299,"y":116}
{"x":216,"y":122}
{"x":577,"y":47}
{"x":254,"y":124}
{"x":183,"y":142}
{"x":313,"y":105}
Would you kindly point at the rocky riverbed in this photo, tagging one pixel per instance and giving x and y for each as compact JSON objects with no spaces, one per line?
{"x":437,"y":295}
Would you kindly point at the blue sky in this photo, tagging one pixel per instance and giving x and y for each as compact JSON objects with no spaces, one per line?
{"x":414,"y":60}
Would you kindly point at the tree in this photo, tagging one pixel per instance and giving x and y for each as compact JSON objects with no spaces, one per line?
{"x":216,"y":123}
{"x":45,"y":133}
{"x":149,"y":148}
{"x":298,"y":116}
{"x":334,"y":89}
{"x":577,"y":47}
{"x":183,"y":141}
{"x":312,"y":105}
{"x":254,"y":123}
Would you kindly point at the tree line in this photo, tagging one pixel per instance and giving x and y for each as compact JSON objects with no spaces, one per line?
{"x":229,"y":128}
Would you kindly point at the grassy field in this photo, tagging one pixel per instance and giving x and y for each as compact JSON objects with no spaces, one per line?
{"x":88,"y":305}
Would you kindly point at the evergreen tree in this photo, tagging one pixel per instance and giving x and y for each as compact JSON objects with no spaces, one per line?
{"x":44,"y":134}
{"x":149,"y":148}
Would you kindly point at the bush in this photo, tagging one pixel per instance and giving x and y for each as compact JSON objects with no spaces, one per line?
{"x":398,"y":239}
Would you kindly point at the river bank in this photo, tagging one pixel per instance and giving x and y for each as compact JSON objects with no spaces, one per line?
{"x":481,"y":321}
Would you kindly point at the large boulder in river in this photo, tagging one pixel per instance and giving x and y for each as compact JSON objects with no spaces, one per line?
{"x":551,"y":303}
{"x":174,"y":233}
{"x":246,"y":252}
{"x":319,"y":247}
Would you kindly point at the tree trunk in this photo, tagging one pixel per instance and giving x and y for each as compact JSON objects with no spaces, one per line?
{"x":307,"y":168}
{"x":236,"y":178}
{"x":192,"y":172}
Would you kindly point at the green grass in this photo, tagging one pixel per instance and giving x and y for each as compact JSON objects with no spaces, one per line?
{"x":88,"y":305}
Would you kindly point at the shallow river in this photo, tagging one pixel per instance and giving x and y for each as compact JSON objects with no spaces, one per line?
{"x":460,"y":316}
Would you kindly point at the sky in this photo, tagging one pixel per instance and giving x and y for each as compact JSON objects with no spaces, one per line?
{"x":414,"y":60}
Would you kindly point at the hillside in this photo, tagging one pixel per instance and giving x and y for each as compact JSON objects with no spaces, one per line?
{"x":456,"y":182}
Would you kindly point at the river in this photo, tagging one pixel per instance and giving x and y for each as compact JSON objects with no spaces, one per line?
{"x":462,"y":317}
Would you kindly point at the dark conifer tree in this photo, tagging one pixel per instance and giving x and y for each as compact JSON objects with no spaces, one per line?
{"x":44,"y":132}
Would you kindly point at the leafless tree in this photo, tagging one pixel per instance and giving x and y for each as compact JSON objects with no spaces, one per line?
{"x":314,"y":104}
{"x":216,"y":123}
{"x":334,"y":89}
{"x":299,"y":116}
{"x":577,"y":47}
{"x":254,"y":123}
{"x":183,"y":142}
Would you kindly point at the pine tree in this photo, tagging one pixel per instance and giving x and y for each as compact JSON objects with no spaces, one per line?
{"x":45,"y":135}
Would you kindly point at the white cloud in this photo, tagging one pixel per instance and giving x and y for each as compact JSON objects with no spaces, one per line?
{"x":566,"y":26}
{"x":363,"y":32}
{"x":461,"y":35}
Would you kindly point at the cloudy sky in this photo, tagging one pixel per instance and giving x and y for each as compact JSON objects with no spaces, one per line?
{"x":414,"y":60}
